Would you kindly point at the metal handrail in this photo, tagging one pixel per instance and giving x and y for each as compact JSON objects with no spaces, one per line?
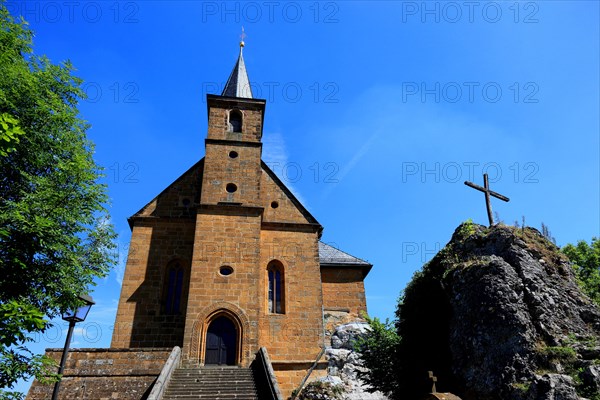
{"x":299,"y":389}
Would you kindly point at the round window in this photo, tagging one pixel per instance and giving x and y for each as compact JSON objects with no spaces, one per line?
{"x":226,"y":270}
{"x":231,"y":188}
{"x":233,"y":154}
{"x":274,"y":204}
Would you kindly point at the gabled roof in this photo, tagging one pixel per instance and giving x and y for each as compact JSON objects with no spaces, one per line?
{"x":238,"y":84}
{"x":189,"y":185}
{"x":331,"y":256}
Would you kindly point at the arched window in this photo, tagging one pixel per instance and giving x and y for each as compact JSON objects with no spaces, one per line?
{"x":235,"y":121}
{"x":173,"y":288}
{"x":276,"y":288}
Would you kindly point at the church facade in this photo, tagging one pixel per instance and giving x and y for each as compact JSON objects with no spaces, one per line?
{"x":226,"y":260}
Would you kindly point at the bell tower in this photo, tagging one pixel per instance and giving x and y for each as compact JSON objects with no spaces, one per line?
{"x":232,"y":166}
{"x":226,"y":274}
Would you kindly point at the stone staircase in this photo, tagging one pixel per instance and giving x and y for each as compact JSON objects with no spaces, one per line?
{"x":214,"y":383}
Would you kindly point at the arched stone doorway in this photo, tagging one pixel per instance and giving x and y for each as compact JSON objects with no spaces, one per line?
{"x":221,"y":342}
{"x":204,"y":319}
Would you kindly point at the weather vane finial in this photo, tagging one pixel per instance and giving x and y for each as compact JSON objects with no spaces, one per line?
{"x":242,"y":36}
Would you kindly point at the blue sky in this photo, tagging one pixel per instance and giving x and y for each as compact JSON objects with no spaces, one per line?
{"x":376,"y":114}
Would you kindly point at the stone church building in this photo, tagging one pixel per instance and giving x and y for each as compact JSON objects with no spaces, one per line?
{"x":225,"y":261}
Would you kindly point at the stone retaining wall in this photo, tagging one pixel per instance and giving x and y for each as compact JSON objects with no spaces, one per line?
{"x":105,"y":374}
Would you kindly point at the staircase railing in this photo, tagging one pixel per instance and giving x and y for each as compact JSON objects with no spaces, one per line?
{"x":264,"y":376}
{"x":174,"y":360}
{"x":296,"y":392}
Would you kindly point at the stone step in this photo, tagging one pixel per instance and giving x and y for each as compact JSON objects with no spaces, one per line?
{"x":206,"y":378}
{"x":210,"y":392}
{"x":195,"y":395}
{"x":214,"y":383}
{"x":211,"y":371}
{"x":205,"y":389}
{"x":212,"y":397}
{"x":250,"y":393}
{"x":221,"y":379}
{"x":249,"y":396}
{"x":217,"y":374}
{"x":211,"y":380}
{"x":213,"y":375}
{"x":193,"y":382}
{"x":214,"y":368}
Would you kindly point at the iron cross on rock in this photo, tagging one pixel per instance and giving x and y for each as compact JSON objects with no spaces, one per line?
{"x":486,"y":189}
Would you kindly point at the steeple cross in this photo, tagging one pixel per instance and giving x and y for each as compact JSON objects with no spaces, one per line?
{"x":486,"y":189}
{"x":433,"y":381}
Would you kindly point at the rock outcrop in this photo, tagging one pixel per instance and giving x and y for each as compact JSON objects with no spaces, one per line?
{"x":497,"y":314}
{"x":344,"y":364}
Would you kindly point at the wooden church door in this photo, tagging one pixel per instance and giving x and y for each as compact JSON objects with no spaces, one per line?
{"x":221,"y":339}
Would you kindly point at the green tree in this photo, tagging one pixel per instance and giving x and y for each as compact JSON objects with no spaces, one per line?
{"x":379,"y":351}
{"x":9,"y":133}
{"x":55,"y":238}
{"x":586,"y":263}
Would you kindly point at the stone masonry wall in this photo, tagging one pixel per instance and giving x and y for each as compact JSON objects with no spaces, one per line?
{"x":141,"y":320}
{"x":297,"y":334}
{"x":289,"y":375}
{"x":224,"y":236}
{"x":344,"y":288}
{"x":104,"y":374}
{"x":218,"y":118}
{"x":231,"y":163}
{"x":163,"y":232}
{"x":277,"y":204}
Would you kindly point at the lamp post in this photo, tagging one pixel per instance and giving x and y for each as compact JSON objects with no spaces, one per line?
{"x":73,"y":317}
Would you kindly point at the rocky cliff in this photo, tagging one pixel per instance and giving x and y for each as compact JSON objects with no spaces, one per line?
{"x":497,"y":314}
{"x":344,"y":366}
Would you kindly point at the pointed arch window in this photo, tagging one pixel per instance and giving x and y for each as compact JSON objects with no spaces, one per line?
{"x":173,"y":288}
{"x":235,"y":121}
{"x":276,"y":292}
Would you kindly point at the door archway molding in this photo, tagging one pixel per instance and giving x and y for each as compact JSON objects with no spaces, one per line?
{"x":209,"y":314}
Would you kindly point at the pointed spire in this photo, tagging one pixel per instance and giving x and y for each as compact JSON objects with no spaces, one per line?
{"x":238,"y":84}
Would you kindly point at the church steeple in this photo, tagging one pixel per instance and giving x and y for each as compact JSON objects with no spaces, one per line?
{"x":232,"y":161}
{"x":238,"y":84}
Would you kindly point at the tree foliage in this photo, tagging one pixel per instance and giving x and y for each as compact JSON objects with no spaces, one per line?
{"x":9,"y":133}
{"x":586,"y":263}
{"x":379,"y":351}
{"x":55,"y":238}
